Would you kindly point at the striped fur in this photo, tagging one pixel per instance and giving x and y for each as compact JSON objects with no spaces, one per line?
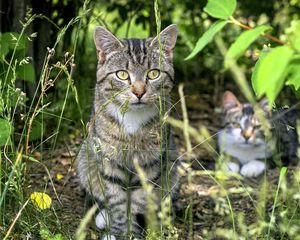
{"x":125,"y":126}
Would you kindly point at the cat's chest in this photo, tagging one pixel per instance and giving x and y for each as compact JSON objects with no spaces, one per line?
{"x":144,"y":145}
{"x":132,"y":121}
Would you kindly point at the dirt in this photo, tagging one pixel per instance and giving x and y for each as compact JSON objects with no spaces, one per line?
{"x":206,"y":190}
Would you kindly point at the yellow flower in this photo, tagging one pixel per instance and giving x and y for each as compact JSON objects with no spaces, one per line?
{"x":41,"y":200}
{"x":59,"y":176}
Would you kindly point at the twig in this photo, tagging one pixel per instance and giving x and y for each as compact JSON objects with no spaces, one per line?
{"x":268,"y":36}
{"x":15,"y":220}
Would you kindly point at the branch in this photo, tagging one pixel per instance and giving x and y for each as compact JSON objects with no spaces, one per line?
{"x":268,"y":36}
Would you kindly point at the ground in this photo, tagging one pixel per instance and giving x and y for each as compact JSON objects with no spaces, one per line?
{"x":206,"y":191}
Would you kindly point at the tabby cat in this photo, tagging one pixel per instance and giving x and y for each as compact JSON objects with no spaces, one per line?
{"x":132,"y":94}
{"x":242,"y":137}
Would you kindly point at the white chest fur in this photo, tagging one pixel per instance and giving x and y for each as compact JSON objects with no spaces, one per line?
{"x":132,"y":119}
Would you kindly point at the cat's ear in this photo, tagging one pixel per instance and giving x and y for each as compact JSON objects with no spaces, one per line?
{"x":230,"y":101}
{"x":105,"y":43}
{"x":167,"y":38}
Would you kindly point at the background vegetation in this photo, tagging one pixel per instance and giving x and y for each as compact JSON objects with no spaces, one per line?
{"x":47,"y":76}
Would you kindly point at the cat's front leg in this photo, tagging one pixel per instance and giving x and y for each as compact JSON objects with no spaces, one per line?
{"x":233,"y":167}
{"x":253,"y":168}
{"x":113,"y":217}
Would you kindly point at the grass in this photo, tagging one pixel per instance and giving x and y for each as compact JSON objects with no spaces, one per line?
{"x":20,"y":217}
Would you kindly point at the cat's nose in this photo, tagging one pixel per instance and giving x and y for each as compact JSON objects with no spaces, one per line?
{"x":247,"y":133}
{"x":138,"y":88}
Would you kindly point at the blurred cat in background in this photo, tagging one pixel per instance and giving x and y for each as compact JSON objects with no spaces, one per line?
{"x":242,"y":138}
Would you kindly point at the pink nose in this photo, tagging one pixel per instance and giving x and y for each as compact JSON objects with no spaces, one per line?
{"x":138,"y":88}
{"x":139,"y":95}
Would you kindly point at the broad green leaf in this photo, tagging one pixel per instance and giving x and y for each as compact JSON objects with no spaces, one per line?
{"x":5,"y":131}
{"x":14,"y":40}
{"x":294,"y":74}
{"x":254,"y":81}
{"x":207,"y":37}
{"x":222,"y":9}
{"x":244,"y":41}
{"x":26,"y":72}
{"x":271,"y":72}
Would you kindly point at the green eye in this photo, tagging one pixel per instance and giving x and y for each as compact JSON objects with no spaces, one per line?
{"x":123,"y":75}
{"x":153,"y":74}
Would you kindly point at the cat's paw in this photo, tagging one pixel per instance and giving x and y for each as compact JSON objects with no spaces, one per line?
{"x":253,"y":168}
{"x":233,"y":167}
{"x":102,"y":219}
{"x":108,"y":237}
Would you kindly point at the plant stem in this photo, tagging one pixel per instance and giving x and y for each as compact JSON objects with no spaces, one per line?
{"x":268,"y":36}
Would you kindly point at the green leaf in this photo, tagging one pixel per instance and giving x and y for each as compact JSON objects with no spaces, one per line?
{"x":5,"y":131}
{"x":254,"y":78}
{"x":294,"y":37}
{"x":244,"y":41}
{"x":4,"y":48}
{"x":272,"y":71}
{"x":26,"y":72}
{"x":294,"y":73}
{"x":207,"y":37}
{"x":222,"y":9}
{"x":14,"y":40}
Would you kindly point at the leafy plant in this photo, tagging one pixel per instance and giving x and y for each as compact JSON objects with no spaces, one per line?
{"x":276,"y":67}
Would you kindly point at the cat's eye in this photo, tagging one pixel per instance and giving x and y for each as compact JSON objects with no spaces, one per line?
{"x":123,"y":75}
{"x":153,"y":74}
{"x":236,"y":125}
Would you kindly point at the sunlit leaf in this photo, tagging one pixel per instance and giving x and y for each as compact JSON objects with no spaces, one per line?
{"x":220,"y":9}
{"x":294,"y":73}
{"x":206,"y":38}
{"x":293,"y":79}
{"x":5,"y":131}
{"x":271,"y":72}
{"x":254,"y":81}
{"x":241,"y":44}
{"x":41,"y":200}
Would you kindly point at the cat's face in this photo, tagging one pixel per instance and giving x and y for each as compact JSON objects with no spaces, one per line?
{"x":132,"y":73}
{"x":241,"y":123}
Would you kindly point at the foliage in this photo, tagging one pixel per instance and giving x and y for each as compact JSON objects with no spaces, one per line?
{"x":275,"y":68}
